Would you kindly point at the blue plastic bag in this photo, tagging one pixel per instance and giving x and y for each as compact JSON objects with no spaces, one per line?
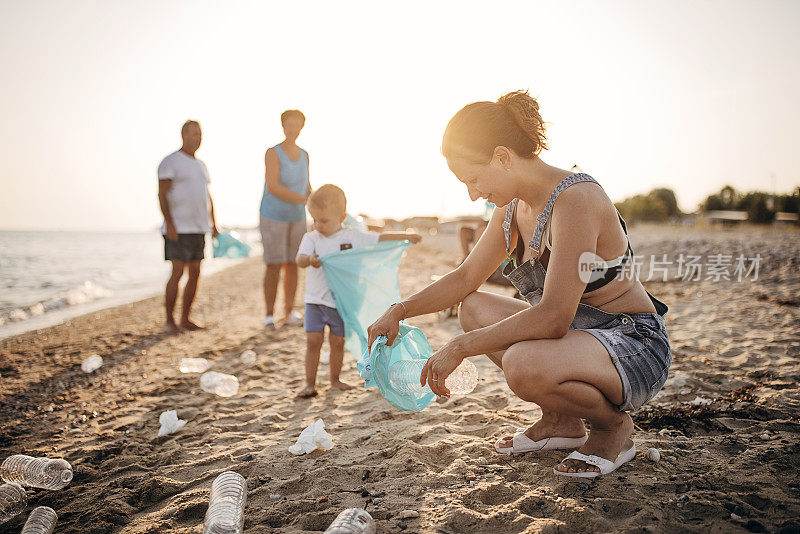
{"x":410,"y":344}
{"x":364,"y":284}
{"x":229,"y":245}
{"x":354,"y":222}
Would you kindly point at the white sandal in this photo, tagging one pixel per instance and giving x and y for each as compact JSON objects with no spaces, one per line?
{"x":606,"y":466}
{"x":522,"y":443}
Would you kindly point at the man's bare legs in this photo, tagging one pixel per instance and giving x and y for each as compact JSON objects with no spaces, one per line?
{"x":336,"y":344}
{"x":189,"y":292}
{"x":171,"y":293}
{"x":314,"y":342}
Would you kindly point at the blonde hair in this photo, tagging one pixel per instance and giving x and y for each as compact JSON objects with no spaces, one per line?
{"x":478,"y":128}
{"x":329,"y":195}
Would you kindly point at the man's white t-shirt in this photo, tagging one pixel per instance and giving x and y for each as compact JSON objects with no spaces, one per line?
{"x":188,"y":198}
{"x":317,"y":291}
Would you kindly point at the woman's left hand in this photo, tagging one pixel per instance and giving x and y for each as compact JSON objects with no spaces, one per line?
{"x":439,"y":366}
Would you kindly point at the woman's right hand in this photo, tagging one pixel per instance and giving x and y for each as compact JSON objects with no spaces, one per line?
{"x":387,"y":325}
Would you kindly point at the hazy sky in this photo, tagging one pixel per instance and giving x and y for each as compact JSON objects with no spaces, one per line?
{"x":690,"y":95}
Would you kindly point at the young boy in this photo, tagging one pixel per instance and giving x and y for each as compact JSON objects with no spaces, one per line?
{"x":327,"y":206}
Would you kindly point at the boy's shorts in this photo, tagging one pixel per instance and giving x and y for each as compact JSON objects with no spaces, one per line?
{"x":319,"y":315}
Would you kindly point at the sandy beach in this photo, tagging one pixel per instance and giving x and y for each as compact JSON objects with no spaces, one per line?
{"x":727,"y":423}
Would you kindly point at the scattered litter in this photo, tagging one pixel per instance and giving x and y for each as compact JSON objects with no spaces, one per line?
{"x":735,"y":517}
{"x":41,"y":472}
{"x":225,"y":513}
{"x":169,"y":422}
{"x":248,"y":357}
{"x":219,"y":383}
{"x":274,"y":496}
{"x":352,"y":521}
{"x":700,"y":401}
{"x":405,"y":514}
{"x":654,"y":455}
{"x":312,"y":437}
{"x":92,"y":363}
{"x":322,"y":499}
{"x":685,"y":391}
{"x":41,"y":521}
{"x":765,"y":436}
{"x":13,"y":499}
{"x":194,"y":365}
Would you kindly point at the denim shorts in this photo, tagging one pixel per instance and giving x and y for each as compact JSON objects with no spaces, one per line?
{"x":319,"y":315}
{"x":639,"y":347}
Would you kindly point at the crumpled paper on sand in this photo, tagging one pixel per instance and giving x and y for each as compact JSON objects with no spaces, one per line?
{"x":169,"y":422}
{"x":312,"y":437}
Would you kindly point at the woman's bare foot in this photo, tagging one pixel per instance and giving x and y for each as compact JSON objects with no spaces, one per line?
{"x":338,"y":384}
{"x":172,"y":327}
{"x":550,"y":426}
{"x":606,"y":443}
{"x":306,"y":392}
{"x":189,"y":325}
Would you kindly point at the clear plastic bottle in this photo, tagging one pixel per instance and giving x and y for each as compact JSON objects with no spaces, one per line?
{"x":404,"y":377}
{"x":352,"y":521}
{"x":225,"y":514}
{"x":219,"y":383}
{"x":41,"y":521}
{"x":248,"y":357}
{"x":46,"y":473}
{"x":12,"y":501}
{"x":194,"y":365}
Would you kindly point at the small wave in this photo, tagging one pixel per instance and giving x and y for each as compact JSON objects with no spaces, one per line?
{"x":86,"y":292}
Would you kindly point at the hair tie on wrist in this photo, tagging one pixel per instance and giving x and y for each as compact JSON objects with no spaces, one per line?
{"x":405,"y":311}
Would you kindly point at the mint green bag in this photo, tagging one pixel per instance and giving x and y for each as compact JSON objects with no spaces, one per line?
{"x":364,"y":283}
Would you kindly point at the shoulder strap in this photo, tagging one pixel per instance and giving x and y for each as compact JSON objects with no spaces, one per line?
{"x":542,"y":218}
{"x":507,"y":224}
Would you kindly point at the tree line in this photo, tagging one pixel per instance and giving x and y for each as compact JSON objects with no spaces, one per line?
{"x":660,"y":205}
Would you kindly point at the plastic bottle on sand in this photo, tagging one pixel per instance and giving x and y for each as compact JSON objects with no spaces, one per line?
{"x":404,"y":377}
{"x":12,"y":501}
{"x":219,"y":383}
{"x":248,"y":357}
{"x":194,"y":365}
{"x":46,"y":473}
{"x":225,"y":514}
{"x":352,"y":521}
{"x":41,"y":521}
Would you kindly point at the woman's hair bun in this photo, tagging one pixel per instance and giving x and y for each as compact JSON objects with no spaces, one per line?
{"x":524,"y":110}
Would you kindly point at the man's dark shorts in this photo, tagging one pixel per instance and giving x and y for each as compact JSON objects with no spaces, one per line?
{"x":188,"y":247}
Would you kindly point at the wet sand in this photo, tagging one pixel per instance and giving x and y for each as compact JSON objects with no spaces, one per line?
{"x":727,"y":422}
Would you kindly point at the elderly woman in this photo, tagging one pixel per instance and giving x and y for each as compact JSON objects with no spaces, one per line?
{"x":590,"y":342}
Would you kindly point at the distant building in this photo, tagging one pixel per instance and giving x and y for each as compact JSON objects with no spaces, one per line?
{"x":785,"y":217}
{"x":726,"y":217}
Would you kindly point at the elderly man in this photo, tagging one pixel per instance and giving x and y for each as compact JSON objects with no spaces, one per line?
{"x":188,"y":215}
